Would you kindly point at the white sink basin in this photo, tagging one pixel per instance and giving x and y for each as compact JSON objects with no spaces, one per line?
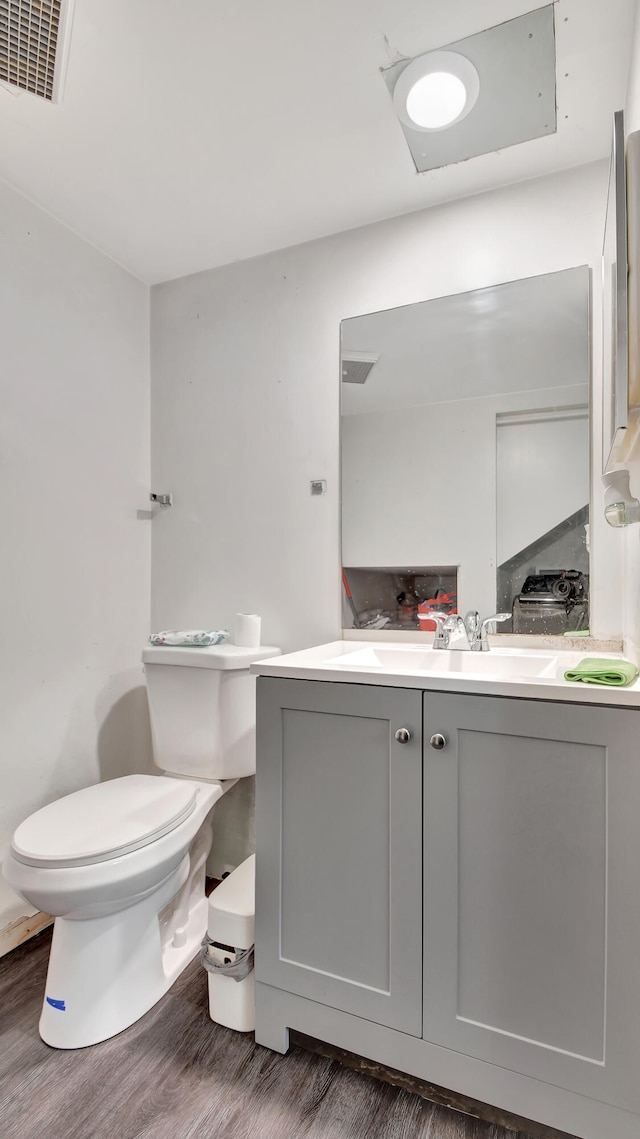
{"x":502,"y":663}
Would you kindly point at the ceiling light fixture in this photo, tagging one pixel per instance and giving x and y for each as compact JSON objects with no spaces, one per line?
{"x":436,"y":90}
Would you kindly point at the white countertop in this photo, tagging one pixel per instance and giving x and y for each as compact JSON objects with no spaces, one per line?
{"x":330,"y":662}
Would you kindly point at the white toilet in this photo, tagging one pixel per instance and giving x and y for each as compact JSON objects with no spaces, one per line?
{"x":121,"y":865}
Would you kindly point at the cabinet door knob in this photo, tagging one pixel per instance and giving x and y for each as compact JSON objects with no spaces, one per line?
{"x":438,"y":741}
{"x":403,"y":735}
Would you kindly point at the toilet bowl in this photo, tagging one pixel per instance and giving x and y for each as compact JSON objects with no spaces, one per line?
{"x":121,"y":865}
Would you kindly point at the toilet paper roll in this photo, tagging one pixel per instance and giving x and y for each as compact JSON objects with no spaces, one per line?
{"x":246,"y":630}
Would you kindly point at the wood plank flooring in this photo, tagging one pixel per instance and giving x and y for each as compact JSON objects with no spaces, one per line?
{"x":176,"y":1075}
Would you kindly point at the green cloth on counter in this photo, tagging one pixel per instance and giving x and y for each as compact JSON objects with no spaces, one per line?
{"x":600,"y":670}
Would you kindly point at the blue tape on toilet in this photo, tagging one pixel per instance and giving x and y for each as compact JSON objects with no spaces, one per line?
{"x":56,"y":1004}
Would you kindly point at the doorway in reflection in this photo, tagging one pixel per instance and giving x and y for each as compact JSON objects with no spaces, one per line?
{"x":542,"y":520}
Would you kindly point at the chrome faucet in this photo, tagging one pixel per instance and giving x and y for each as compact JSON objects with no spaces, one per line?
{"x":451,"y":631}
{"x":468,"y":634}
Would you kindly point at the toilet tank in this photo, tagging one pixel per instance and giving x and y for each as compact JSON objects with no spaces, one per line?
{"x":202,"y":705}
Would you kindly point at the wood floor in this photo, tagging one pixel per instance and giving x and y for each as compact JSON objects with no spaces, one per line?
{"x":176,"y":1075}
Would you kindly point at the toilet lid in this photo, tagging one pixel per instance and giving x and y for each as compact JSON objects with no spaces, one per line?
{"x":104,"y":821}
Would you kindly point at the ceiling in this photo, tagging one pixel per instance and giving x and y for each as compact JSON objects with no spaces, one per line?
{"x":424,"y":349}
{"x":248,"y":127}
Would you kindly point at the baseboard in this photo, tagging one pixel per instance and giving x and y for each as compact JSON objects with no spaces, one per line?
{"x":421,"y":1087}
{"x":21,"y":930}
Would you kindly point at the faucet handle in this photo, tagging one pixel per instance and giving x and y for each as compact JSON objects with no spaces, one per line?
{"x":440,"y":637}
{"x":496,"y":617}
{"x":484,"y":641}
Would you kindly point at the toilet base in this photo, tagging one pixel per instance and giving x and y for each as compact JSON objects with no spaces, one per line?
{"x":106,"y":972}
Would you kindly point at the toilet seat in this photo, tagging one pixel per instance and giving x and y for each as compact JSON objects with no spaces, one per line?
{"x":104,"y":821}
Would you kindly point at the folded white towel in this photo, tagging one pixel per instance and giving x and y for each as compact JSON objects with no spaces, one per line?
{"x":196,"y":638}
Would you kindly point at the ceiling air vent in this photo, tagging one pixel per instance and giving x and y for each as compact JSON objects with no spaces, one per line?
{"x":356,"y":366}
{"x":34,"y":38}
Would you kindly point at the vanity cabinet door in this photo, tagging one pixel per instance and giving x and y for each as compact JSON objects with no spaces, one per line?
{"x":339,"y":847}
{"x":532,"y":889}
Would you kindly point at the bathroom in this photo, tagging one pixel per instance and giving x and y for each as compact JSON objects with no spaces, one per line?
{"x":201,"y":360}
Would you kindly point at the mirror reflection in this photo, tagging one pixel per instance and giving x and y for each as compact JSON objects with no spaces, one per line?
{"x":465,"y":458}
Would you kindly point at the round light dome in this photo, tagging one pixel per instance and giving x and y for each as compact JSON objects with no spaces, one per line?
{"x":436,"y":100}
{"x":436,"y":90}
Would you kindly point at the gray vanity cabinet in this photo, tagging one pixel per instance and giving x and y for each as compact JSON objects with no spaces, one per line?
{"x":339,"y":836}
{"x":470,"y":915}
{"x":532,"y":889}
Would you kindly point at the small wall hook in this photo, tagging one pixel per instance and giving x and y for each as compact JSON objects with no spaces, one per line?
{"x":162,"y":499}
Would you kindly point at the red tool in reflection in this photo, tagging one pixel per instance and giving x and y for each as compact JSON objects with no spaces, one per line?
{"x":442,"y":603}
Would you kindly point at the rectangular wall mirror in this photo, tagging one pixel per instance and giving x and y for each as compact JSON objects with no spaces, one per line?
{"x":465,"y":457}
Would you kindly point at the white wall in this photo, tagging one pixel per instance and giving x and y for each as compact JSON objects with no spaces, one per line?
{"x":245,"y":414}
{"x":632,"y":102}
{"x":408,"y":501}
{"x":74,"y":463}
{"x":245,"y":366}
{"x":245,"y":397}
{"x":542,"y":478}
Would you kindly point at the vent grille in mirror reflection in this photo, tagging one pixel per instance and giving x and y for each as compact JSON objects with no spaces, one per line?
{"x":356,"y":366}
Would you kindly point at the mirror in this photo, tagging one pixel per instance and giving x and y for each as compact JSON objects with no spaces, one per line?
{"x":465,"y":457}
